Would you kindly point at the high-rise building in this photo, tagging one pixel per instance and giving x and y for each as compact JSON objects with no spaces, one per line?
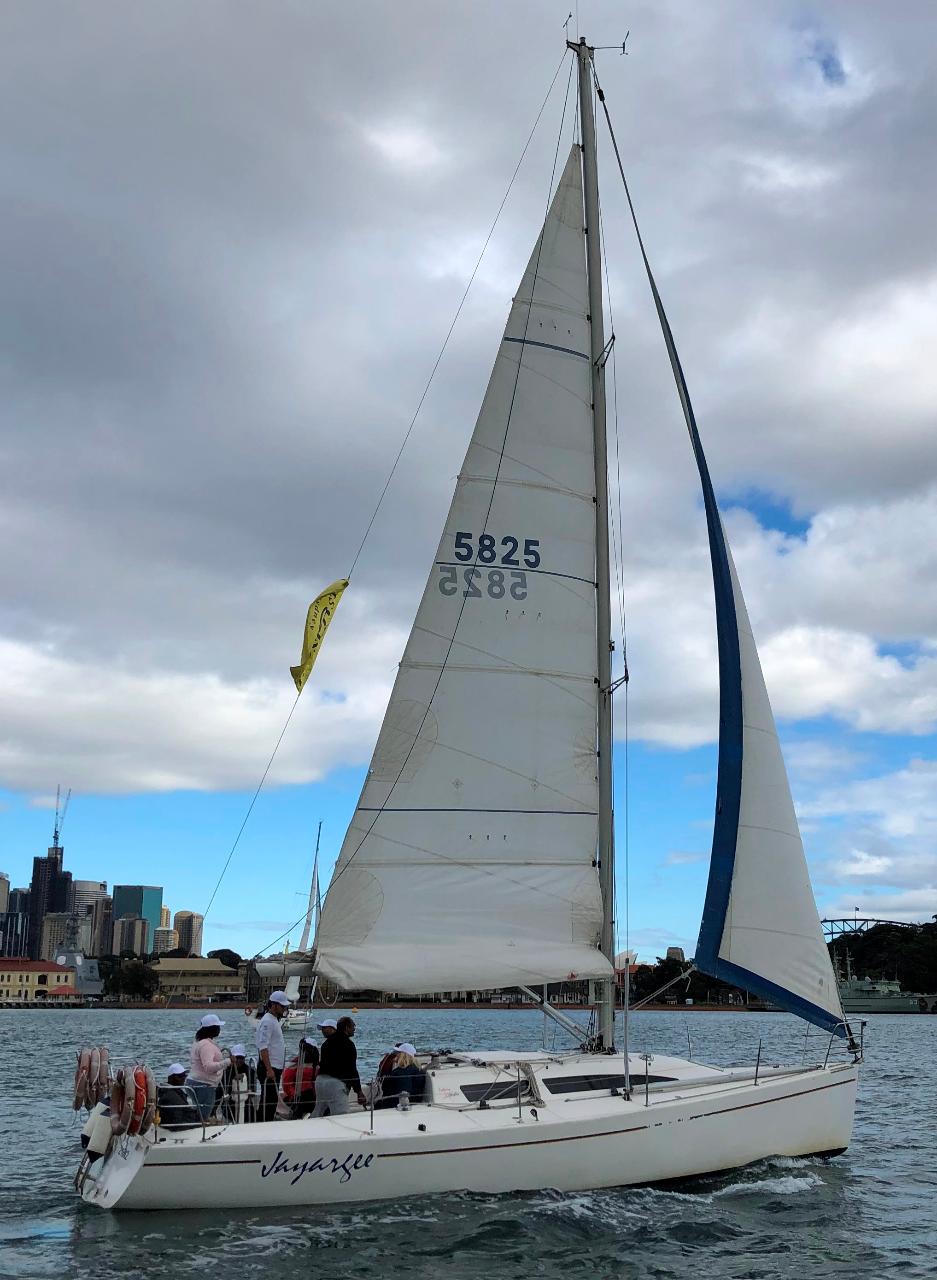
{"x":165,"y":918}
{"x":19,"y":900}
{"x":4,"y":893}
{"x":166,"y":940}
{"x":48,"y":891}
{"x":188,"y":925}
{"x":102,"y":927}
{"x":54,"y":931}
{"x":84,"y":894}
{"x":14,"y":925}
{"x":143,"y":900}
{"x":131,"y":933}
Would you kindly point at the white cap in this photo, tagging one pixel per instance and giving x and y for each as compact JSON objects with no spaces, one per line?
{"x":238,"y":1051}
{"x":406,"y":1047}
{"x":176,"y":1069}
{"x":308,"y":1040}
{"x":279,"y":997}
{"x":329,"y":1022}
{"x":211,"y":1020}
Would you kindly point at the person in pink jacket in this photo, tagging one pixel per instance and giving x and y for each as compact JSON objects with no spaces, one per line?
{"x":206,"y":1064}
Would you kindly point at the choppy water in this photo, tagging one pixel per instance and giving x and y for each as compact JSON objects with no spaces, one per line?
{"x":872,"y":1212}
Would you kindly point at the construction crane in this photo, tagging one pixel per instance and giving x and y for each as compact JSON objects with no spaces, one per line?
{"x":60,"y":815}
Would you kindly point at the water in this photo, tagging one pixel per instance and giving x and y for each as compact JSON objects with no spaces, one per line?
{"x":868,"y":1213}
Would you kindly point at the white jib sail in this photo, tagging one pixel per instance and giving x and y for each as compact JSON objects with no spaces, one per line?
{"x":772,"y":928}
{"x":469,"y":862}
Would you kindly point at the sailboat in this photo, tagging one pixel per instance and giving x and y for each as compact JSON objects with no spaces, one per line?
{"x":290,"y":967}
{"x":481,"y":851}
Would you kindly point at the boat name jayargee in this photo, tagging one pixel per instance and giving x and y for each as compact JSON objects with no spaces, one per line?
{"x":345,"y":1168}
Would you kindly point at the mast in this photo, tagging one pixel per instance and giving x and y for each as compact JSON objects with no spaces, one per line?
{"x":312,"y":907}
{"x":606,"y":843}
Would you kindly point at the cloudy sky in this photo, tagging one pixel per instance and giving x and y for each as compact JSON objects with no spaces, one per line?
{"x":233,"y":239}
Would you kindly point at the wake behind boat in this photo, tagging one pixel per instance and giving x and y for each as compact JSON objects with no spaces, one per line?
{"x":481,"y":853}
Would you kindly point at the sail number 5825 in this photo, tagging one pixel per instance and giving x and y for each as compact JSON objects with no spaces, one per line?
{"x":489,"y":551}
{"x":475,"y":583}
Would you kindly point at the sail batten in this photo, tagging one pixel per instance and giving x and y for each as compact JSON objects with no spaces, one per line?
{"x":470,"y":860}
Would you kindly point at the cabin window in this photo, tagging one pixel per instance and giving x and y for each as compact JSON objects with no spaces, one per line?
{"x":586,"y":1084}
{"x":496,"y":1091}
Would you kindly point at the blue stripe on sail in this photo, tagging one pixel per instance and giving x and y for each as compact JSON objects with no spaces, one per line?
{"x":726,"y":971}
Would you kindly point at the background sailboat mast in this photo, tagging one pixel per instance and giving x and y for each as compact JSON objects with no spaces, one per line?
{"x":312,"y":908}
{"x":606,"y":841}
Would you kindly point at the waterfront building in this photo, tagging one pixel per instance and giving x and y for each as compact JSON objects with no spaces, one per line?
{"x":143,"y":900}
{"x":48,"y":891}
{"x":23,"y":979}
{"x":131,"y":933}
{"x":4,"y":893}
{"x":165,"y":917}
{"x":196,"y":979}
{"x":52,"y":937}
{"x":165,"y":940}
{"x":188,"y":925}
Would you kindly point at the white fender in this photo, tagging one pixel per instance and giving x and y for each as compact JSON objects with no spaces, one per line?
{"x":100,"y":1137}
{"x":88,"y":1126}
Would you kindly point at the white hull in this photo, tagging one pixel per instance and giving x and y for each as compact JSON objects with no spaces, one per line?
{"x":700,"y":1121}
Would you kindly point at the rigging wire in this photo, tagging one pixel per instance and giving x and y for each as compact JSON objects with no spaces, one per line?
{"x":618,"y":547}
{"x":396,"y":462}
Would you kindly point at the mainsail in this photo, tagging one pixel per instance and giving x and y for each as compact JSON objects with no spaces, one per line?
{"x":470,"y":859}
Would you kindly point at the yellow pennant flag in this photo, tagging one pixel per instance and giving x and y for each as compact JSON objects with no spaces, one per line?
{"x":318,"y":618}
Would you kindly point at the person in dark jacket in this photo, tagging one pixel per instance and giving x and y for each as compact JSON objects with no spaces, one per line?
{"x":338,"y":1072}
{"x":404,"y":1076}
{"x":175,"y":1103}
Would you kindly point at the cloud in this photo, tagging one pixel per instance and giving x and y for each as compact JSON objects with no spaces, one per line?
{"x":220,"y":309}
{"x":678,"y":858}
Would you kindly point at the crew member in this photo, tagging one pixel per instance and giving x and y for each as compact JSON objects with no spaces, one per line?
{"x":271,"y":1052}
{"x":206,"y":1064}
{"x":174,"y":1102}
{"x":404,"y":1076}
{"x":299,"y":1079}
{"x":239,"y":1087}
{"x":338,"y":1072}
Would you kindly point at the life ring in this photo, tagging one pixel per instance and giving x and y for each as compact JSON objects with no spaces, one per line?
{"x":121,"y":1104}
{"x":138,"y":1093}
{"x":91,"y":1085}
{"x":81,"y":1079}
{"x":149,"y":1111}
{"x":102,"y":1084}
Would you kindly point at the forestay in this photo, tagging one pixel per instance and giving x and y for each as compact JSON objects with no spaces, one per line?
{"x":469,"y":862}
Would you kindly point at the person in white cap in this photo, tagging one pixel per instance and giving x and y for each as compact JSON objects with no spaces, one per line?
{"x":271,"y":1053}
{"x":174,"y":1102}
{"x":328,"y":1027}
{"x":206,"y":1064}
{"x":239,"y":1086}
{"x":404,"y":1077}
